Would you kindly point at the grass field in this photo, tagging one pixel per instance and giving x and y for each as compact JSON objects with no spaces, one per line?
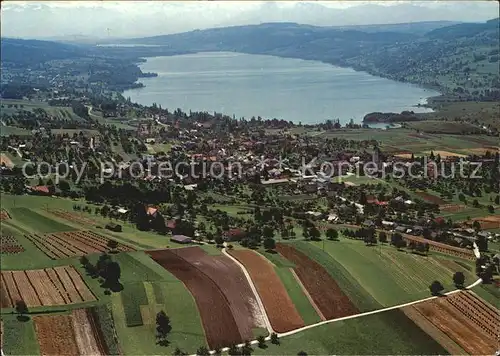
{"x":299,"y":299}
{"x":388,"y":333}
{"x":36,"y":222}
{"x":381,"y":275}
{"x":19,"y":337}
{"x":162,"y":291}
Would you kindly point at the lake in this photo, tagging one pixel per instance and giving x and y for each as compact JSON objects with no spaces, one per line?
{"x":271,"y":87}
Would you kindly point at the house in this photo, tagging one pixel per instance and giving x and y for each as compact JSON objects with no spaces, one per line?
{"x":400,"y":229}
{"x":114,"y":227}
{"x":42,"y":190}
{"x":332,"y":218}
{"x":151,"y":211}
{"x":388,"y":224}
{"x":368,"y":223}
{"x":171,"y":224}
{"x":181,"y":239}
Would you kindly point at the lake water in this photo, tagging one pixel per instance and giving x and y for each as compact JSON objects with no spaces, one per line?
{"x":271,"y":87}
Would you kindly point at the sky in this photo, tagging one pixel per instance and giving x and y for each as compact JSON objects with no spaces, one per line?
{"x":129,"y":19}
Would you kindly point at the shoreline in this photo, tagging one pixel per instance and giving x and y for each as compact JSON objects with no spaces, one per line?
{"x":428,"y":100}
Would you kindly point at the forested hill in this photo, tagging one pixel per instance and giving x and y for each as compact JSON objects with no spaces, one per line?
{"x":460,"y":60}
{"x":19,"y":52}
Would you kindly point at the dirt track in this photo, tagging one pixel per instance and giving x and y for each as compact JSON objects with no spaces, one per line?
{"x":279,"y":307}
{"x":219,"y":324}
{"x":322,"y":288}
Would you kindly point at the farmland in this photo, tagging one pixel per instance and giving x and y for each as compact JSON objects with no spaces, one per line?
{"x":75,"y":243}
{"x":220,"y":326}
{"x":34,"y":221}
{"x":232,"y":282}
{"x":75,"y":334}
{"x":488,"y":222}
{"x":389,"y":276}
{"x":279,"y":307}
{"x":387,"y":333}
{"x":71,"y":217}
{"x":323,"y":289}
{"x":10,"y":245}
{"x":44,"y":287}
{"x":465,"y":318}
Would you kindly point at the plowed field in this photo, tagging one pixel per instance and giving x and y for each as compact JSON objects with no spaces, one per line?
{"x":465,"y":318}
{"x":74,"y":243}
{"x":279,"y":307}
{"x":431,"y":198}
{"x":232,"y":282}
{"x":488,"y":222}
{"x":55,"y":335}
{"x":73,"y":217}
{"x":4,"y":215}
{"x":218,"y":321}
{"x":325,"y":292}
{"x":43,"y":287}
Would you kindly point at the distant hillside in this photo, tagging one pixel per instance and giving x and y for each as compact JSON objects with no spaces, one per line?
{"x":460,"y":60}
{"x":25,"y":52}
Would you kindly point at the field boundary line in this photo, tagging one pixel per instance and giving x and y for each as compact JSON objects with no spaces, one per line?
{"x":306,"y":292}
{"x":254,"y":290}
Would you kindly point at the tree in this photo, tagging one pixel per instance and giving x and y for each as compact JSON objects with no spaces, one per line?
{"x":84,"y":261}
{"x":459,"y":279}
{"x":233,"y":351}
{"x":382,"y":237}
{"x":219,"y":240}
{"x":262,"y":341}
{"x":314,"y":233}
{"x":302,"y":353}
{"x":269,"y":244}
{"x":246,"y":350}
{"x":476,"y":225}
{"x":202,"y":351}
{"x":179,"y":352}
{"x":491,"y":209}
{"x":332,"y":234}
{"x":163,"y":327}
{"x":21,"y":309}
{"x":274,"y":339}
{"x":436,"y":288}
{"x":112,"y":245}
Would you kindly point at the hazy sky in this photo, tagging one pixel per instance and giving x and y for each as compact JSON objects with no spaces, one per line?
{"x":148,"y":18}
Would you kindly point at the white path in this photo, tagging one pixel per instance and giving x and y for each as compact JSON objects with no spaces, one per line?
{"x":254,"y":290}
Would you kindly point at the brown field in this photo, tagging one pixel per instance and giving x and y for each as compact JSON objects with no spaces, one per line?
{"x":452,"y":208}
{"x":4,"y":215}
{"x":445,"y":154}
{"x":74,"y":243}
{"x":431,"y":198}
{"x":88,"y":334}
{"x":482,"y":150}
{"x":218,"y":321}
{"x":44,"y":287}
{"x":56,"y":335}
{"x":232,"y":282}
{"x":432,"y":330}
{"x":322,"y":288}
{"x":9,"y":244}
{"x":4,"y":159}
{"x":466,"y":319}
{"x":279,"y":307}
{"x":72,"y":217}
{"x":488,"y":222}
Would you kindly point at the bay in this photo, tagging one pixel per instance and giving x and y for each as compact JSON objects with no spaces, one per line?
{"x":271,"y":87}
